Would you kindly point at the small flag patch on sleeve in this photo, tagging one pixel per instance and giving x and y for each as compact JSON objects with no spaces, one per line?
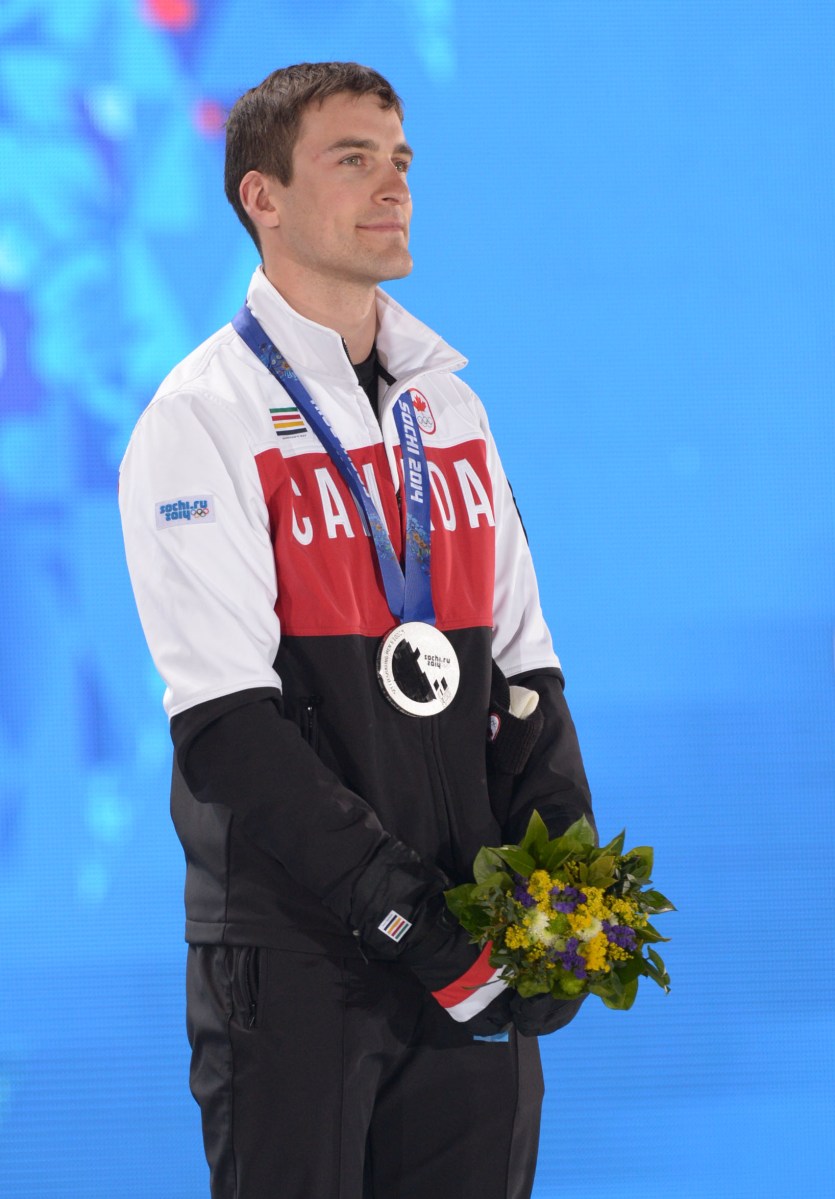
{"x":395,"y":926}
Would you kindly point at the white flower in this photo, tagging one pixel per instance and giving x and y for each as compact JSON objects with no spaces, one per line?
{"x":538,"y":929}
{"x":593,"y":929}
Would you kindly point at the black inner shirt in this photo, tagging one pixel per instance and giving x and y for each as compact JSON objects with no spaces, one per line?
{"x":367,"y":373}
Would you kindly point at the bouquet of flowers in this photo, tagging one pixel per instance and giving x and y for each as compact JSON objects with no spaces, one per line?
{"x":566,"y":917}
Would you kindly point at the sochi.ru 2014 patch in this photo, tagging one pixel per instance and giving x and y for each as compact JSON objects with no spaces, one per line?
{"x":191,"y":510}
{"x":395,"y":926}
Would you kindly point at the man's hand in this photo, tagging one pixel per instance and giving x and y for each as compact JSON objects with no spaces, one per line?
{"x":542,"y":1014}
{"x":399,"y":913}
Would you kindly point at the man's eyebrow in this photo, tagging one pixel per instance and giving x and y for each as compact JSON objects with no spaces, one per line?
{"x":366,"y":143}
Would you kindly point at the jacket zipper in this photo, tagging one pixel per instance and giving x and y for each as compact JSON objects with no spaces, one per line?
{"x":440,"y":787}
{"x":310,"y":721}
{"x":249,"y":984}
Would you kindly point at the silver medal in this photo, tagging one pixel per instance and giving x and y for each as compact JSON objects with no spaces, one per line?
{"x":418,"y":669}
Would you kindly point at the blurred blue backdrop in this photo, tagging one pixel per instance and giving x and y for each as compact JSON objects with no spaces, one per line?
{"x":625,"y":217}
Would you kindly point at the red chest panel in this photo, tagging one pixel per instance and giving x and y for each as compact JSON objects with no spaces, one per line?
{"x":326,"y":568}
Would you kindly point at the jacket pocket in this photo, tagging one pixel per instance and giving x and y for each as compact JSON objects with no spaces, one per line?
{"x":247,"y":981}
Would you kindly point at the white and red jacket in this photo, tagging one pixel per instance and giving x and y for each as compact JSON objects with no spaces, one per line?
{"x":309,"y":808}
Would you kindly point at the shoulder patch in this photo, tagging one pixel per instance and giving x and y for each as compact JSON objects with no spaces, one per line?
{"x":287,"y":421}
{"x":191,"y":509}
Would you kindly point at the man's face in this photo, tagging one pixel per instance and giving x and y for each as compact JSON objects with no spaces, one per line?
{"x":345,"y":215}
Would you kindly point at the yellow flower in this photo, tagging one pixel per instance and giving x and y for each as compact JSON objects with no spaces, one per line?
{"x":539,"y":885}
{"x":516,"y":938}
{"x":579,"y":920}
{"x":618,"y":953}
{"x":627,"y":912}
{"x":583,"y":924}
{"x":595,"y":953}
{"x":595,"y":903}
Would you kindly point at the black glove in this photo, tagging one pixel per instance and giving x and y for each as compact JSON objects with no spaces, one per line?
{"x":399,"y":913}
{"x":541,"y":1014}
{"x":497,"y":1017}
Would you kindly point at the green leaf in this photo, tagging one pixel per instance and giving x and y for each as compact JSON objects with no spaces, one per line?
{"x":517,"y":859}
{"x":459,"y":897}
{"x":474,"y":919}
{"x":650,"y":934}
{"x":581,"y":831}
{"x":601,"y":871}
{"x":615,"y":846}
{"x":657,"y":970}
{"x":486,"y":889}
{"x":659,"y":979}
{"x":639,"y":862}
{"x":615,"y":992}
{"x":536,"y":836}
{"x":604,"y":989}
{"x":487,"y":862}
{"x":502,"y":957}
{"x":530,"y":986}
{"x":656,"y":958}
{"x":625,"y":999}
{"x":554,"y":856}
{"x":657,"y":902}
{"x":626,"y":971}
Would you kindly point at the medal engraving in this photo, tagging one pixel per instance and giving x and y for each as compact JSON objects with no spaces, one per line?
{"x":418,"y":669}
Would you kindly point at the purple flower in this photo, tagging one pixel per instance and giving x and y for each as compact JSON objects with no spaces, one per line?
{"x":566,"y":899}
{"x":570,"y":958}
{"x":522,"y":895}
{"x":620,"y":934}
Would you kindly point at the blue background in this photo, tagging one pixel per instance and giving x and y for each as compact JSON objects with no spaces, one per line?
{"x":625,"y":218}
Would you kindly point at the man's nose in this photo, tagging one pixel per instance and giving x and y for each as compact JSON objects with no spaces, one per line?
{"x":393,"y":186}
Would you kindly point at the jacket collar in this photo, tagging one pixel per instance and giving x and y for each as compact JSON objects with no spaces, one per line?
{"x":405,"y":345}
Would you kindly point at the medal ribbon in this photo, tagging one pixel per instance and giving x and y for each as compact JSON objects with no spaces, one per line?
{"x":409,"y":595}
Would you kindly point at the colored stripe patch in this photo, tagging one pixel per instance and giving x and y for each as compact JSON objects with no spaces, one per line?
{"x":471,"y":993}
{"x":287,"y":420}
{"x":395,"y":926}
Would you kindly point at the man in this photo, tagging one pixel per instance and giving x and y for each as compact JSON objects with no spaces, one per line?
{"x":331,"y":719}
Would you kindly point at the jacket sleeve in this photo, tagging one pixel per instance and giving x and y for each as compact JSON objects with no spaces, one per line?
{"x":198,"y":549}
{"x":205,"y":588}
{"x":552,"y":779}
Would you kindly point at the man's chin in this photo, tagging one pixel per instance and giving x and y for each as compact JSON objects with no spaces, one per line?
{"x":395,"y":269}
{"x":374,"y":269}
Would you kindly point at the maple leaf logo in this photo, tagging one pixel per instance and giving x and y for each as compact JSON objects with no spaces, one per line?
{"x":420,"y":405}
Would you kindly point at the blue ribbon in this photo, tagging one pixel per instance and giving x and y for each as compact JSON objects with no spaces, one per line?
{"x":409,"y":595}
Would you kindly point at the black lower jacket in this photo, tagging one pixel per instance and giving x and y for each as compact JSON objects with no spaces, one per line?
{"x":307,"y":816}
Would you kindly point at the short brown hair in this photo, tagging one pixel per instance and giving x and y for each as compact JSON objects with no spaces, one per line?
{"x":263,"y":127}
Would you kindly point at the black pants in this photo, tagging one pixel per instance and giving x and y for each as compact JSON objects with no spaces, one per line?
{"x":330,"y":1078}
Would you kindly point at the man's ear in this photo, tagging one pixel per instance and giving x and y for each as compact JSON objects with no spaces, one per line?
{"x":258,"y":197}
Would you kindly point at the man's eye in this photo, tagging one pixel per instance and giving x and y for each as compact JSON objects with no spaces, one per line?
{"x":403,"y":166}
{"x":353,"y":158}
